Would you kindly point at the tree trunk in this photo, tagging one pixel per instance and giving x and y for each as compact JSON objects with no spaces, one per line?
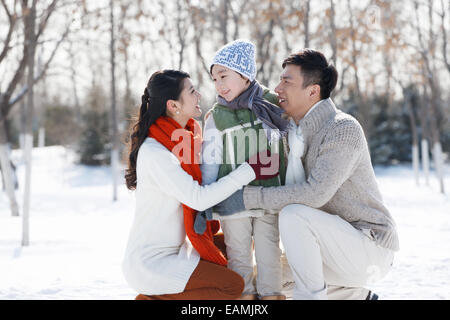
{"x":306,"y":22}
{"x":7,"y":100}
{"x":114,"y":133}
{"x":7,"y":171}
{"x":363,"y":111}
{"x":73,"y":77}
{"x":444,"y":37}
{"x":438,"y":162}
{"x":437,"y":149}
{"x":223,"y":20}
{"x":201,"y":65}
{"x":425,"y":161}
{"x":414,"y":134}
{"x":39,"y":102}
{"x":334,"y":47}
{"x":264,"y":50}
{"x":30,"y":39}
{"x":425,"y":134}
{"x":435,"y":97}
{"x":333,"y":34}
{"x":181,"y":33}
{"x":415,"y":162}
{"x":41,"y":137}
{"x":23,"y":125}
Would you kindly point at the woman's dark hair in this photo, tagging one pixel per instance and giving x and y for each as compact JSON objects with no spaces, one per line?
{"x":162,"y":86}
{"x":315,"y":70}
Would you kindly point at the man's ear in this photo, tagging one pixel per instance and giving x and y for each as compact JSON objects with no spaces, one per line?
{"x":315,"y":90}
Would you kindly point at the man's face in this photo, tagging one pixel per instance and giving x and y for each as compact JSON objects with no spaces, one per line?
{"x":293,"y":98}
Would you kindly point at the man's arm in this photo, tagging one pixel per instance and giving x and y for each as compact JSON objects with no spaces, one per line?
{"x":338,"y":156}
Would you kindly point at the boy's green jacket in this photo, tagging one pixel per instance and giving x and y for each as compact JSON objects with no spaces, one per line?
{"x":243,"y":137}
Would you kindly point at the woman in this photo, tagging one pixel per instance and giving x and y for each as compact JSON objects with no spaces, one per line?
{"x":163,"y":168}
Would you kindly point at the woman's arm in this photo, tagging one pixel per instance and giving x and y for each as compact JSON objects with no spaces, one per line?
{"x":212,"y":151}
{"x":167,"y":174}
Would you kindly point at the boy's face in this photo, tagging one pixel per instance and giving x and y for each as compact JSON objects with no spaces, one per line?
{"x":229,"y":84}
{"x":293,"y":98}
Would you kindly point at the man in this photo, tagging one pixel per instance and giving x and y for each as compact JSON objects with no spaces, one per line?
{"x":336,"y":231}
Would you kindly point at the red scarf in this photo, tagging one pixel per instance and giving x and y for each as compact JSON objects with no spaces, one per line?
{"x":189,"y":139}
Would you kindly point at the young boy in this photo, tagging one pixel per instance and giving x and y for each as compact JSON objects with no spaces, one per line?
{"x":244,"y":122}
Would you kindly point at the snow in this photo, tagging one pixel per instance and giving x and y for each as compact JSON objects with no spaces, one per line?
{"x":78,"y":234}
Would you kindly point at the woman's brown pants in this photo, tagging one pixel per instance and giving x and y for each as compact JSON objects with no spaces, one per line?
{"x":209,"y":281}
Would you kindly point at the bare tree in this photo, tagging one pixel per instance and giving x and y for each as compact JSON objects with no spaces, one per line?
{"x":264,"y":39}
{"x":124,"y":37}
{"x":306,"y":10}
{"x":198,"y":21}
{"x":113,"y":126}
{"x":14,"y":90}
{"x":363,"y":112}
{"x":7,"y":100}
{"x":333,"y":40}
{"x":445,"y":52}
{"x":42,"y":97}
{"x":424,"y":124}
{"x":29,"y":13}
{"x":5,"y":162}
{"x":181,"y":26}
{"x":73,"y":77}
{"x":281,"y":23}
{"x":223,"y":19}
{"x":237,"y":10}
{"x":12,"y":19}
{"x":409,"y":103}
{"x":427,"y":52}
{"x":333,"y":33}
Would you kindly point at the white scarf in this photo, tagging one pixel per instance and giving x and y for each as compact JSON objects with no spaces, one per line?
{"x":295,"y":172}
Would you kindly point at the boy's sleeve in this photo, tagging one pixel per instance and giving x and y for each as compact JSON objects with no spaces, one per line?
{"x":212,"y":151}
{"x":272,"y":97}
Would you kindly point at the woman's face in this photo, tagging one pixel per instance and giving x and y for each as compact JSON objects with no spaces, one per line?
{"x":229,"y":84}
{"x":189,"y":101}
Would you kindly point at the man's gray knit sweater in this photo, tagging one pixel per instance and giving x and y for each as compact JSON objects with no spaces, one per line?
{"x":340,"y":178}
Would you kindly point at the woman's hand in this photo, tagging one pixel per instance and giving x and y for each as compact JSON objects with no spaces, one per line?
{"x":265,"y":165}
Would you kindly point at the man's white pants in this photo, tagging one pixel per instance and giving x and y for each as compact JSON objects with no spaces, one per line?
{"x":329,"y":258}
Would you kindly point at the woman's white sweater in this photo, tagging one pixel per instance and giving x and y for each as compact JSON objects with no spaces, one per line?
{"x":159,"y":259}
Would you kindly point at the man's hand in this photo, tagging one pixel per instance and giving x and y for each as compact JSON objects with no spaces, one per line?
{"x":231,"y":205}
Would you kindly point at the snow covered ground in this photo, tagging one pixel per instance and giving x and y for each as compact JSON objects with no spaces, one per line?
{"x":78,"y":235}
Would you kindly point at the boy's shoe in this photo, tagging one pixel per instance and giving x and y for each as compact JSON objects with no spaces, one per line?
{"x":372,"y":296}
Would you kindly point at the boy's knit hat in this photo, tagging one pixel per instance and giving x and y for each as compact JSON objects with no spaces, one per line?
{"x":239,"y":56}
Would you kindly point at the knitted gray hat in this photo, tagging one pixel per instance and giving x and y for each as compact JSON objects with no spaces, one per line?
{"x":239,"y":56}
